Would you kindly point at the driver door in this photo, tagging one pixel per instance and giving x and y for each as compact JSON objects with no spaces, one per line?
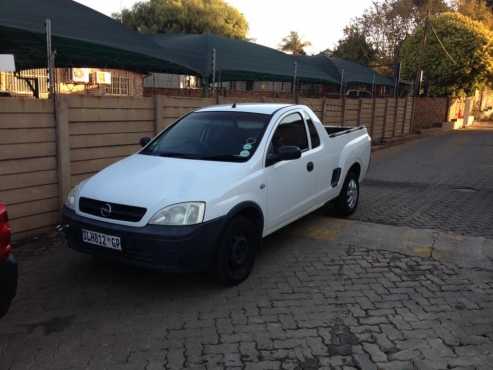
{"x":288,"y":184}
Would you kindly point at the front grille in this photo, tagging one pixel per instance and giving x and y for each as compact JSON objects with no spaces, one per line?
{"x":111,"y":211}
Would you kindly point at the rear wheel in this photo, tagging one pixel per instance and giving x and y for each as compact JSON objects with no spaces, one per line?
{"x":347,"y":201}
{"x":237,"y":250}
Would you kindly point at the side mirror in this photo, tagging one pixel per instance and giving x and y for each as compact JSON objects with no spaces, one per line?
{"x":284,"y":153}
{"x":144,"y":141}
{"x":288,"y":153}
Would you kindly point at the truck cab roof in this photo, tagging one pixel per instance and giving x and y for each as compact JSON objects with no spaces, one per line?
{"x":261,"y":108}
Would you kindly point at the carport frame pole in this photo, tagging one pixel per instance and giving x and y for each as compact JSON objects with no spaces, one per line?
{"x":50,"y":59}
{"x":341,"y":87}
{"x":295,"y":77}
{"x":213,"y":71}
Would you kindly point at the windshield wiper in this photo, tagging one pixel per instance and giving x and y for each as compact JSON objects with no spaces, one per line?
{"x":217,"y":157}
{"x":222,"y":157}
{"x":178,"y":155}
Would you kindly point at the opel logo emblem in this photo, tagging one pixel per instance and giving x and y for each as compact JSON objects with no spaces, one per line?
{"x":105,"y":210}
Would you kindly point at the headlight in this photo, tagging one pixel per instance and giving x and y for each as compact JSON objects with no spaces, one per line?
{"x":190,"y":213}
{"x":70,"y":200}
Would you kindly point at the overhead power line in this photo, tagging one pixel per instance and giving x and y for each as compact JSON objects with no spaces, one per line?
{"x":441,"y":44}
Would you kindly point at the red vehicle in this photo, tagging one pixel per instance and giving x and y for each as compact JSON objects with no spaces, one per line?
{"x":8,"y":265}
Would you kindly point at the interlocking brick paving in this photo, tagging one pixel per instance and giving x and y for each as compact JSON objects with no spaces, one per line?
{"x":308,"y":305}
{"x":442,"y":182}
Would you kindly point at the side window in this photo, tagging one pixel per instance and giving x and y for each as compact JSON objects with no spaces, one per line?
{"x":290,"y":132}
{"x":313,"y":132}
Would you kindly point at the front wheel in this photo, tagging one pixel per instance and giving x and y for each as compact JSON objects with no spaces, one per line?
{"x":237,"y":250}
{"x":347,"y":201}
{"x":4,"y":307}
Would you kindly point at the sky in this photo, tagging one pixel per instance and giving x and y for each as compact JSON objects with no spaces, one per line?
{"x":319,"y":21}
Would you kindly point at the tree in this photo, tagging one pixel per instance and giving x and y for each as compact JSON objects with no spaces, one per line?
{"x":458,"y":57}
{"x":294,"y":44}
{"x":478,"y":10}
{"x":386,"y":23}
{"x":354,"y":47}
{"x":185,"y":16}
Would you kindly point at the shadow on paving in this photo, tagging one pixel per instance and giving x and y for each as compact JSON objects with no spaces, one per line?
{"x":313,"y":301}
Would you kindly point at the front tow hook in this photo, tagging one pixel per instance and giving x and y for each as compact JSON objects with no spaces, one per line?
{"x":61,"y":228}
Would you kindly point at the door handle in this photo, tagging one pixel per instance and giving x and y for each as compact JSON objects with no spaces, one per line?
{"x":310,"y":166}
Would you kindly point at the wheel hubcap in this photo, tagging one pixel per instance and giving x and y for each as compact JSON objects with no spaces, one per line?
{"x":239,"y":250}
{"x":352,"y":193}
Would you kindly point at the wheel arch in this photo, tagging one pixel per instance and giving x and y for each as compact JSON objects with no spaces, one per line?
{"x":355,"y":168}
{"x":249,"y":210}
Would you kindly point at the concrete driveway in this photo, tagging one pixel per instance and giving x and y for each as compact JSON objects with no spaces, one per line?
{"x":407,"y":283}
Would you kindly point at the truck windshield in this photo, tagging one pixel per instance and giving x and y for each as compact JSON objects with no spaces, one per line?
{"x":213,"y":136}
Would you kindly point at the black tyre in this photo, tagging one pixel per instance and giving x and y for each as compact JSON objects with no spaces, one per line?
{"x":237,"y":250}
{"x":347,"y":201}
{"x":4,"y":308}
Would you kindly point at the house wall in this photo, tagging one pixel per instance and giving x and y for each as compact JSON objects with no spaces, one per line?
{"x":133,"y":83}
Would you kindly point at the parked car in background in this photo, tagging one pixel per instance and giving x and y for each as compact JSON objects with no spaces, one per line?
{"x":358,"y":94}
{"x":205,"y":191}
{"x":8,"y":265}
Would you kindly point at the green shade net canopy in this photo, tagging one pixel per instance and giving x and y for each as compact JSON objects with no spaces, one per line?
{"x":237,"y":60}
{"x":354,"y":73}
{"x":81,"y":37}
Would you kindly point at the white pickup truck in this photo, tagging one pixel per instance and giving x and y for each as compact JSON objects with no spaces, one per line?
{"x":203,"y":193}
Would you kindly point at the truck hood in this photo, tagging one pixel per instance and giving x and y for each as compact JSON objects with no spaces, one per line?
{"x":155,"y":182}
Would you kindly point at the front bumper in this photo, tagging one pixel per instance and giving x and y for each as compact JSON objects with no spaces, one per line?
{"x":8,"y":281}
{"x":167,"y":248}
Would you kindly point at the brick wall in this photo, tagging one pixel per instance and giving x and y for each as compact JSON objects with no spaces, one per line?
{"x":430,"y":111}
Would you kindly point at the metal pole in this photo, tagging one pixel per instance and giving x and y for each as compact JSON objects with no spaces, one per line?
{"x":420,"y":81}
{"x":373,"y":85}
{"x":213,"y":71}
{"x":342,"y":83}
{"x":397,"y":81}
{"x":153,"y":84}
{"x":50,"y":59}
{"x":295,"y":77}
{"x":420,"y":73}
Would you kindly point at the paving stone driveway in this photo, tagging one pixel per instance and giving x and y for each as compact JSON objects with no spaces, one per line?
{"x":310,"y":304}
{"x":443,"y":182}
{"x":324,"y":294}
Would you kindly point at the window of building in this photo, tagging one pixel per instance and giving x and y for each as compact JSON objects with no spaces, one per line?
{"x":120,"y":85}
{"x":15,"y":83}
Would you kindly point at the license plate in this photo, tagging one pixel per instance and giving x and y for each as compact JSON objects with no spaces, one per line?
{"x":102,"y":240}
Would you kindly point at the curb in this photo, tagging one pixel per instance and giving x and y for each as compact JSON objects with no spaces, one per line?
{"x":403,"y":140}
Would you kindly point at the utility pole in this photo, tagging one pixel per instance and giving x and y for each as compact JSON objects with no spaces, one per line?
{"x":420,"y":74}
